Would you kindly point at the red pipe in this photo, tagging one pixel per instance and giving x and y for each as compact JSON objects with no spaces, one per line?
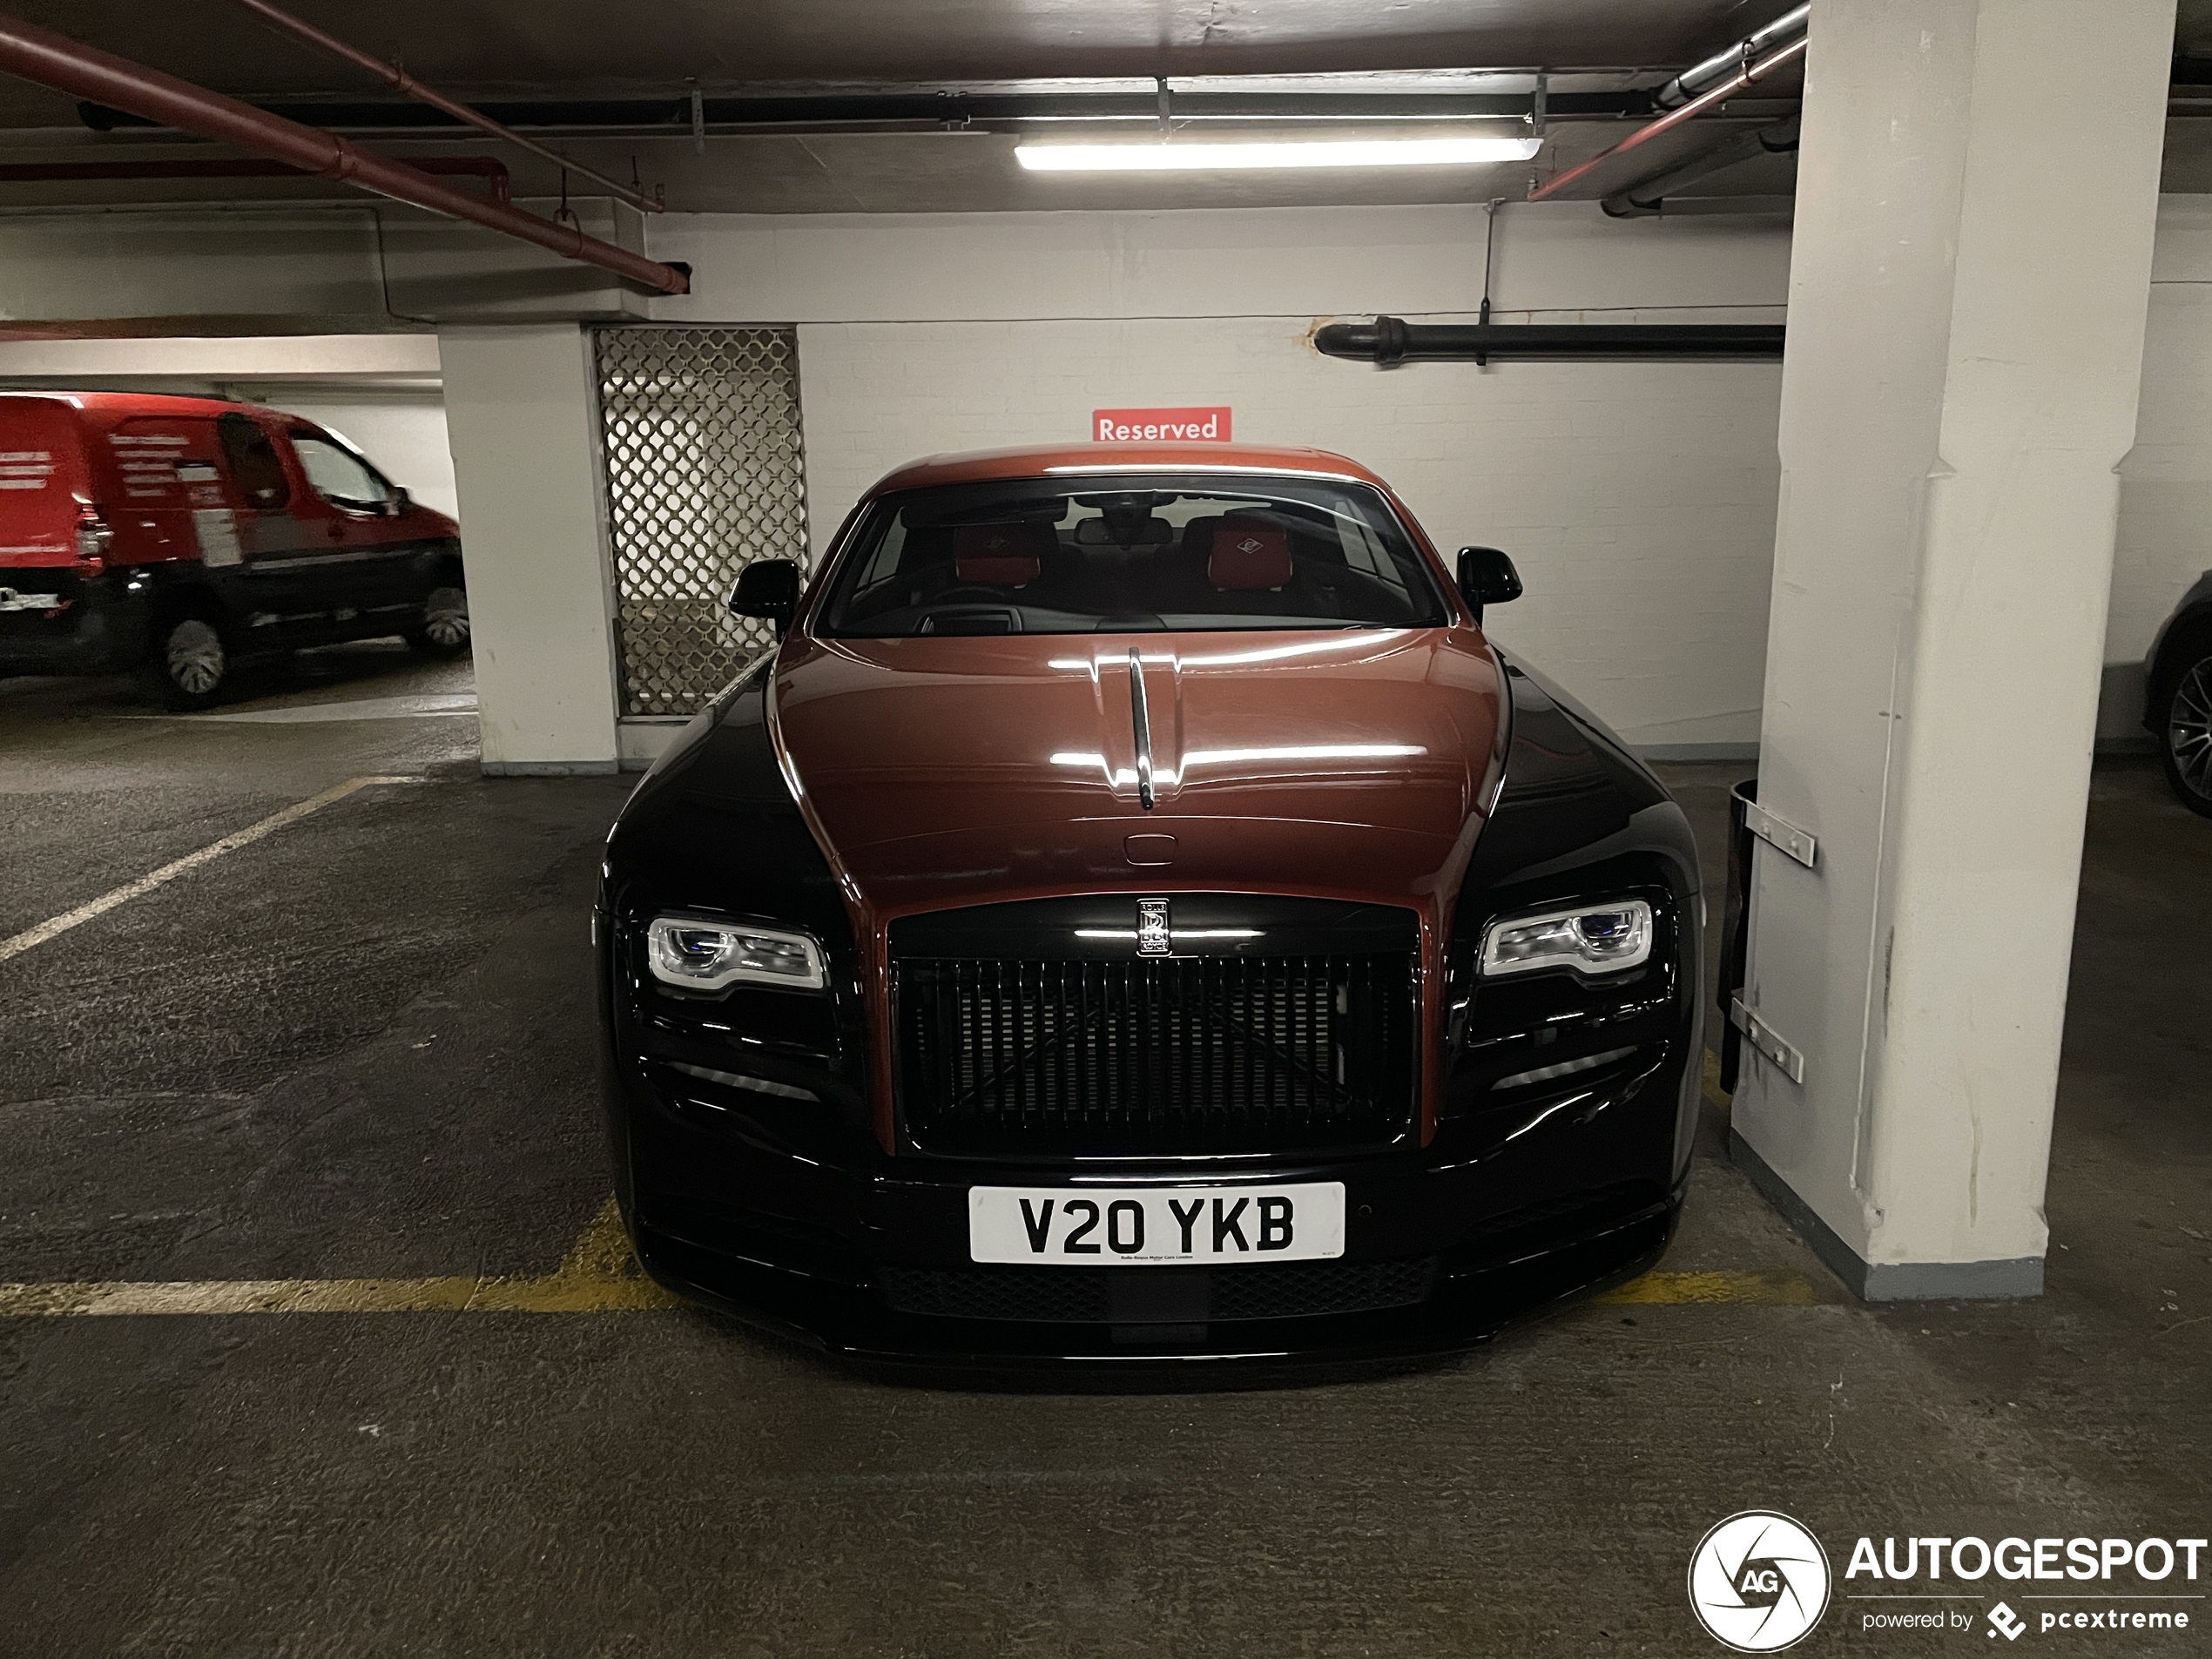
{"x":1673,"y":118}
{"x":53,"y":60}
{"x":401,"y":81}
{"x":29,"y":173}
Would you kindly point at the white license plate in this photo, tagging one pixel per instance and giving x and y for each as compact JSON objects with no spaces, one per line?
{"x":1155,"y":1226}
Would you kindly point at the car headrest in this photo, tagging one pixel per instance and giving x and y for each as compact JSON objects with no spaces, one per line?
{"x":1249,"y":553}
{"x":1197,"y":537}
{"x":1001,"y":555}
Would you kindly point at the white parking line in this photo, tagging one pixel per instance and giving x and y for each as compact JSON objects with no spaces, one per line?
{"x":421,"y":707}
{"x":58,"y":925}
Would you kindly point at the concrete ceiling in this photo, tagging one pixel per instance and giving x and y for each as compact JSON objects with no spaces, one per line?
{"x":514,"y":48}
{"x":495,"y":49}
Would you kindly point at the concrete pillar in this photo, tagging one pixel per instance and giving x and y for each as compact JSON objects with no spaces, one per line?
{"x":519,"y":415}
{"x":1976,"y":192}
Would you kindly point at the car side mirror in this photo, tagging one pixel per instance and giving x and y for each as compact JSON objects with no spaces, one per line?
{"x":767,"y":588}
{"x":399,"y":501}
{"x":1487,"y":577}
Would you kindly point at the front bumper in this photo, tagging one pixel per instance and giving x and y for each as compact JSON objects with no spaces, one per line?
{"x":828,"y":1242}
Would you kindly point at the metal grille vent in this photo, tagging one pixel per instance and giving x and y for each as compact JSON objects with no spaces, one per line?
{"x":1189,"y":1055}
{"x":705,"y":473}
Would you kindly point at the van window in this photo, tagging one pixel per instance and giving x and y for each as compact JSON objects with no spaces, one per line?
{"x":339,"y":475}
{"x":255,"y":466}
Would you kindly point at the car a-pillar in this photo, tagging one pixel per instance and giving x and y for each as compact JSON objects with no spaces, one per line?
{"x":1969,"y":277}
{"x":520,"y":419}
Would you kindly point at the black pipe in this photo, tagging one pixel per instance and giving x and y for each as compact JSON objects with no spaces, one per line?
{"x":1391,"y":340}
{"x":949,"y":109}
{"x":1649,"y":195}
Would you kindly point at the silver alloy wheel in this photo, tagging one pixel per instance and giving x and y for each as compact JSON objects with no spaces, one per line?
{"x":2188,"y":730}
{"x":445,"y":617}
{"x":195,"y":657}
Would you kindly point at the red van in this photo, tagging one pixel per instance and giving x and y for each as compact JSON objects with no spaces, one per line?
{"x":179,"y":534}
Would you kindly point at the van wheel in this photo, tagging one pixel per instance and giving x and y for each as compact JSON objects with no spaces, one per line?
{"x":190,"y":666}
{"x":2187,"y":747}
{"x":444,"y":633}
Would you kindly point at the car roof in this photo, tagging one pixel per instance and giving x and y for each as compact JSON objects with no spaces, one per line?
{"x":118,"y":405}
{"x":990,"y":466}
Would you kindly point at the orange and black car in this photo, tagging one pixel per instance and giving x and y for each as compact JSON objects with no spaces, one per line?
{"x":180,"y":536}
{"x":1136,"y":913}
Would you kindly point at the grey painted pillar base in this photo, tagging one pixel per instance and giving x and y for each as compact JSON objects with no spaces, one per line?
{"x":1886,"y":1281}
{"x":549,"y":768}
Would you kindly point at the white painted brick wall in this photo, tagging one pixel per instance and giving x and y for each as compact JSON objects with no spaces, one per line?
{"x":1637,"y":500}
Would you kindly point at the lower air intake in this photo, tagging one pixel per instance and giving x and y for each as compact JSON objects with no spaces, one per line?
{"x":1103,"y":1296}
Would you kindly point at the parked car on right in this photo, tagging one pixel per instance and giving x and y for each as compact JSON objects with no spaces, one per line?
{"x":2179,"y":709}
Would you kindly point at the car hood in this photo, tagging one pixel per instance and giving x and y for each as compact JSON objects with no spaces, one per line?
{"x":1351,"y":763}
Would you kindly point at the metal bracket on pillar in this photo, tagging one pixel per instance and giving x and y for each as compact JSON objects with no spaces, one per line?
{"x":1780,"y":833}
{"x":1766,"y":1039}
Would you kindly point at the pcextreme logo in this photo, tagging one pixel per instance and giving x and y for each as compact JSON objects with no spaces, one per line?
{"x":1758,"y":1581}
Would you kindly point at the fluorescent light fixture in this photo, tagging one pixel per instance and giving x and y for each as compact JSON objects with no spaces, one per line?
{"x":1212,"y":155}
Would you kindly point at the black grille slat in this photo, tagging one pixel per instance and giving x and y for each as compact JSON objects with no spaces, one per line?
{"x":1186,"y":1054}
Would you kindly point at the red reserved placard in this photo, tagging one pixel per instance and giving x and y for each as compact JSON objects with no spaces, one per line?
{"x":1160,"y":425}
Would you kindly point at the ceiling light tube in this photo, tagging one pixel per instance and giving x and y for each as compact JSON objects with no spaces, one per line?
{"x":1212,"y":155}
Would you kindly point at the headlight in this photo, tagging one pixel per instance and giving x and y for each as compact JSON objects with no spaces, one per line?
{"x":703,"y":955}
{"x":1590,"y":939}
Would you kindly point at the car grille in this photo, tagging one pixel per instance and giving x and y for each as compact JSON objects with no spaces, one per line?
{"x":1142,"y":1295}
{"x":1187,"y":1055}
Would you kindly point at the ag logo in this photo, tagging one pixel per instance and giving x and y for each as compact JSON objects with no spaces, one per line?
{"x":1249,"y":544}
{"x":1758,"y":1581}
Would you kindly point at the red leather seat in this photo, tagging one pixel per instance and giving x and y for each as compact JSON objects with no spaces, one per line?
{"x":1249,"y":553}
{"x":1001,"y":555}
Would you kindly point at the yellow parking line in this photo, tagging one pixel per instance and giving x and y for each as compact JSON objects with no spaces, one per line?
{"x":1713,"y":1095}
{"x":598,"y":1275}
{"x":1781,"y":1288}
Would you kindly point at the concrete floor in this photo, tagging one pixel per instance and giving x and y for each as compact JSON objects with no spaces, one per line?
{"x":359,"y":1048}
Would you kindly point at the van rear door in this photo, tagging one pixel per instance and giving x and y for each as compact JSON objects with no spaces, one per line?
{"x":43,"y":488}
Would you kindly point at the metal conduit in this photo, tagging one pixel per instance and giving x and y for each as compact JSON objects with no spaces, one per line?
{"x":49,"y":59}
{"x":493,"y":173}
{"x":400,"y":81}
{"x":1717,"y":68}
{"x":1745,"y":76}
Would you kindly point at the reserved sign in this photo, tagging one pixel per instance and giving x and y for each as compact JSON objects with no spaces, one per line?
{"x":1160,"y":425}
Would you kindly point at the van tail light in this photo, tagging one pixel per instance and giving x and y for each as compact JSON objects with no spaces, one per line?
{"x":93,"y":540}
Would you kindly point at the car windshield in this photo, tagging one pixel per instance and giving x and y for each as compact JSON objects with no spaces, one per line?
{"x":1138,"y":554}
